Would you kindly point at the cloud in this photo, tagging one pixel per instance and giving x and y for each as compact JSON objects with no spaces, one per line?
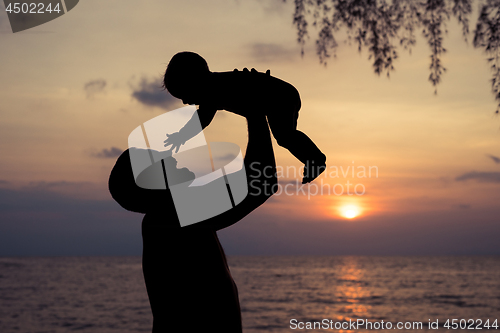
{"x":494,"y":158}
{"x":112,"y":152}
{"x":262,"y":52}
{"x":223,"y":158}
{"x":43,"y":185}
{"x":43,"y":222}
{"x":150,"y":93}
{"x":480,"y":176}
{"x":274,"y":6}
{"x":61,"y":186}
{"x":450,"y":232}
{"x":289,"y":182}
{"x":81,"y":190}
{"x":94,"y":87}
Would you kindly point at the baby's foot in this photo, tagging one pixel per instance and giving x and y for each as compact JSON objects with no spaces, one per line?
{"x":312,"y":172}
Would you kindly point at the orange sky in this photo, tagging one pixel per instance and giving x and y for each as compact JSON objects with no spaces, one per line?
{"x":52,"y":129}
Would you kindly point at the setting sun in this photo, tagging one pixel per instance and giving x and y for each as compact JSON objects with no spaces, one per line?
{"x":350,"y":211}
{"x":350,"y":214}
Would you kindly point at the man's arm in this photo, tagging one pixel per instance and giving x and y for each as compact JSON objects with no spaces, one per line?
{"x":202,"y":116}
{"x":260,"y":169}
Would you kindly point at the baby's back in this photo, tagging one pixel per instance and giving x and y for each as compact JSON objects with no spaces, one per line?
{"x":245,"y":92}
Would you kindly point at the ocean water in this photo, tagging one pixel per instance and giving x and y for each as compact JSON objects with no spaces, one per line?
{"x":107,"y":294}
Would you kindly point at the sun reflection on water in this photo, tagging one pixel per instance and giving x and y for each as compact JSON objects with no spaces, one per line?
{"x":351,"y":290}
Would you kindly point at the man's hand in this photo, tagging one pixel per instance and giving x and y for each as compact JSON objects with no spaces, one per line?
{"x":175,"y":140}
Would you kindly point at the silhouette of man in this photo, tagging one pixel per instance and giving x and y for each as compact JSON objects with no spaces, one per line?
{"x":189,"y":285}
{"x":245,"y":93}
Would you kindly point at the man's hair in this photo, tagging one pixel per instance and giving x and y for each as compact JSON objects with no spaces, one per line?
{"x":184,"y":67}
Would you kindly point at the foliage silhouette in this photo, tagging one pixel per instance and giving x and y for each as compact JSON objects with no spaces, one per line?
{"x":382,"y":26}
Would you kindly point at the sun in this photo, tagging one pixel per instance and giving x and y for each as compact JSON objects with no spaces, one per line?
{"x":350,"y":214}
{"x":349,"y":211}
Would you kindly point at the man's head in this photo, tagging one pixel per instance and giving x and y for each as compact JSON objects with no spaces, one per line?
{"x":185,"y":77}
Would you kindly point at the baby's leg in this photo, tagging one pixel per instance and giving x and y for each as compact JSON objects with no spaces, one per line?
{"x":288,"y":136}
{"x":299,"y":144}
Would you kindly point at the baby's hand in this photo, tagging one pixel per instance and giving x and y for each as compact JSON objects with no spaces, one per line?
{"x":175,"y":140}
{"x":253,"y":70}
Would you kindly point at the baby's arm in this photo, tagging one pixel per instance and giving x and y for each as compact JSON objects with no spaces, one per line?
{"x":203,"y":116}
{"x":206,"y":116}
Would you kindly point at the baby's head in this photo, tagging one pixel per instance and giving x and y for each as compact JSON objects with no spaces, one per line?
{"x":185,"y":77}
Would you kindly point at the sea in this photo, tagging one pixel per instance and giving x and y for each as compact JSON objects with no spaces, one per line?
{"x":277,"y":294}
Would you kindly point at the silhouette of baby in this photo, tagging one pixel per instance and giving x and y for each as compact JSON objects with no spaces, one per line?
{"x":245,"y":93}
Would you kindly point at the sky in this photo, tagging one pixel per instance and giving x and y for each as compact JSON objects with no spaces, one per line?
{"x":74,"y":88}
